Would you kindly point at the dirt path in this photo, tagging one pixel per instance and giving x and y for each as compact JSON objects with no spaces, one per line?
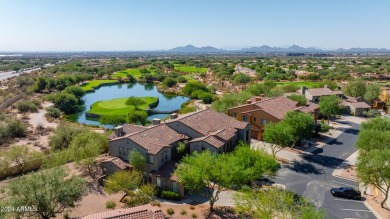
{"x":39,"y":118}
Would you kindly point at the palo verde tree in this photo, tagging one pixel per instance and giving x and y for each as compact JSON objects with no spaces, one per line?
{"x":374,"y":155}
{"x":211,"y":173}
{"x":302,"y":125}
{"x":279,"y":135}
{"x":330,"y":106}
{"x":50,"y":191}
{"x":275,"y":203}
{"x":137,"y":160}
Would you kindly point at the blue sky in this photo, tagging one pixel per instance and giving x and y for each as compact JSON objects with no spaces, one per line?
{"x":96,"y":25}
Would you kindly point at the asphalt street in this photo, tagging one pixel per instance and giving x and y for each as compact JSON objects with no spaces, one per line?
{"x":312,"y":177}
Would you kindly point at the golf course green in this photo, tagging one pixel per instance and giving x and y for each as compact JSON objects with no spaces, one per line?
{"x":117,"y":106}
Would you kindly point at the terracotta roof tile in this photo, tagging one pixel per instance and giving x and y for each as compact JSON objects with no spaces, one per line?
{"x":309,"y":108}
{"x":208,"y":120}
{"x":128,"y":129}
{"x":117,"y":162}
{"x":278,"y":106}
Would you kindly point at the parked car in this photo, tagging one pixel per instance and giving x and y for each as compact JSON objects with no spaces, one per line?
{"x":346,"y":192}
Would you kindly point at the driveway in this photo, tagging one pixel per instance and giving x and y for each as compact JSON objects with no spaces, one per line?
{"x":311,"y":176}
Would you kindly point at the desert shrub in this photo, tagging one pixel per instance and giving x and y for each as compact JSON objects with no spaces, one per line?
{"x":194,"y":215}
{"x":241,"y":78}
{"x":110,"y":204}
{"x":181,"y":79}
{"x":192,"y":207}
{"x":187,"y":109}
{"x":193,"y":86}
{"x":170,"y":195}
{"x":183,"y":211}
{"x":52,"y":112}
{"x":27,"y":106}
{"x":170,"y":211}
{"x":169,"y":82}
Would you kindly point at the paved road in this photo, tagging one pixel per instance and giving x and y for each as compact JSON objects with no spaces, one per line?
{"x":10,"y":74}
{"x":312,"y":177}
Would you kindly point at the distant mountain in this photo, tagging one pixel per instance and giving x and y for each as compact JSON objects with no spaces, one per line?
{"x":193,"y":49}
{"x":269,"y":49}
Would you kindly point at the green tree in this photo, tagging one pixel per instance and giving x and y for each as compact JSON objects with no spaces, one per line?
{"x":372,"y":92}
{"x":138,"y":117}
{"x":64,"y":134}
{"x":373,"y":167}
{"x":50,"y":191}
{"x":241,"y":78}
{"x":114,"y":120}
{"x":330,"y":106}
{"x":379,"y":124}
{"x":193,"y":86}
{"x":123,"y":181}
{"x":301,"y":99}
{"x":21,"y":156}
{"x":65,"y":102}
{"x":40,"y":84}
{"x":77,"y":91}
{"x":181,"y":148}
{"x":135,"y":101}
{"x":302,"y":125}
{"x":355,"y":88}
{"x":84,"y":149}
{"x":275,"y":203}
{"x":169,"y":82}
{"x":143,"y":195}
{"x":279,"y":135}
{"x":137,"y":160}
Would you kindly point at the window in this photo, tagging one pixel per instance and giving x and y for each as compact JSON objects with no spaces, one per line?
{"x":263,"y":122}
{"x":254,"y":119}
{"x":244,"y":118}
{"x":174,"y":186}
{"x":158,"y":181}
{"x":150,"y":159}
{"x":120,"y":150}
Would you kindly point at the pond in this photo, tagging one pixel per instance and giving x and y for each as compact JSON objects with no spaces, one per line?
{"x":107,"y":92}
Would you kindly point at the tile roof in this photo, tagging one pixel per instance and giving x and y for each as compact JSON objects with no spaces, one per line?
{"x":166,"y":171}
{"x":210,"y":139}
{"x":278,"y":106}
{"x":117,"y":162}
{"x":208,"y":120}
{"x":322,"y":91}
{"x":140,"y":212}
{"x":309,"y":108}
{"x":128,"y":129}
{"x":156,"y":137}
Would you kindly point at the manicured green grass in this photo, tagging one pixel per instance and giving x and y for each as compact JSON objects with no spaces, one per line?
{"x":123,"y":74}
{"x":300,"y":83}
{"x":90,"y":85}
{"x":189,"y":69}
{"x":117,"y":106}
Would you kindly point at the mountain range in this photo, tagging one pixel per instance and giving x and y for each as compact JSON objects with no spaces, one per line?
{"x":269,"y":49}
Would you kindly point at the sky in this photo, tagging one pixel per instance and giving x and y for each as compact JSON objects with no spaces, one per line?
{"x":123,"y":25}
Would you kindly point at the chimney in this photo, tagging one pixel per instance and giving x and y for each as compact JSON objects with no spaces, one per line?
{"x":174,"y":116}
{"x":303,"y":90}
{"x":118,"y":131}
{"x":258,"y":99}
{"x":156,"y":121}
{"x":248,"y":102}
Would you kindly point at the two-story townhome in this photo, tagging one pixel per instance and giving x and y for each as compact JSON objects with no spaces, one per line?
{"x":260,"y":111}
{"x":201,"y":130}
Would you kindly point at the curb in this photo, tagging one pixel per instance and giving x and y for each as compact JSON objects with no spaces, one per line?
{"x":338,"y":176}
{"x":372,"y":210}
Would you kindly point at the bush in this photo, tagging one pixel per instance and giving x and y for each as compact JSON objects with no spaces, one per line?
{"x":194,"y":215}
{"x":110,"y":204}
{"x":207,"y":98}
{"x":192,"y":207}
{"x":75,"y":90}
{"x":52,"y":112}
{"x":65,"y":102}
{"x":241,"y":78}
{"x":27,"y":106}
{"x":183,"y":211}
{"x":193,"y":86}
{"x":170,"y":211}
{"x":170,"y":195}
{"x":169,"y":82}
{"x":187,"y":109}
{"x":181,"y":79}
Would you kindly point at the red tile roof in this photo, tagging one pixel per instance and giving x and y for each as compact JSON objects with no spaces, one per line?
{"x":140,"y":212}
{"x":208,"y":120}
{"x":128,"y":129}
{"x":117,"y":162}
{"x":278,"y":106}
{"x":309,"y":108}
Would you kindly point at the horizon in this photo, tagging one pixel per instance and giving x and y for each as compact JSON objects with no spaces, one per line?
{"x":80,"y":26}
